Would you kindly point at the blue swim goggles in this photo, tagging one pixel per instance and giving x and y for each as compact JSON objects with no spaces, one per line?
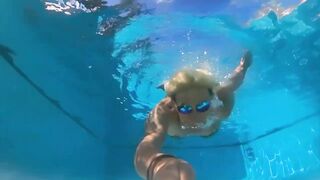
{"x":201,"y":107}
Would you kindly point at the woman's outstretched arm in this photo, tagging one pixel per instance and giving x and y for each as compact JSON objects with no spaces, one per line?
{"x":236,"y":79}
{"x":148,"y":153}
{"x":226,"y":91}
{"x":147,"y":149}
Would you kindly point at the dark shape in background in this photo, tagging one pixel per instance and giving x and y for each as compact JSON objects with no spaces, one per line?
{"x":6,"y":53}
{"x":92,"y":4}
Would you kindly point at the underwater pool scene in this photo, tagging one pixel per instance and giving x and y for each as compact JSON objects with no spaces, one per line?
{"x":79,"y":77}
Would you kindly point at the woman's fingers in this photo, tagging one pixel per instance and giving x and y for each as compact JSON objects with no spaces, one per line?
{"x":167,"y":103}
{"x":247,"y":59}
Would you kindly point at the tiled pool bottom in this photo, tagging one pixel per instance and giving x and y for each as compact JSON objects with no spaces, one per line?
{"x":290,"y":154}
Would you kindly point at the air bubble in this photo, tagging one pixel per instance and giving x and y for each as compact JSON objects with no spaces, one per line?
{"x":303,"y":61}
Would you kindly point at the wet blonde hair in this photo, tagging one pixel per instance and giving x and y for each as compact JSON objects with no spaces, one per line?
{"x":188,"y":78}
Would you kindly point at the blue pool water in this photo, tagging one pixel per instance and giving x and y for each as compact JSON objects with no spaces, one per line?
{"x":74,"y":100}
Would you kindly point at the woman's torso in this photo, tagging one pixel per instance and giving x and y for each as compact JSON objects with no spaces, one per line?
{"x":176,"y":129}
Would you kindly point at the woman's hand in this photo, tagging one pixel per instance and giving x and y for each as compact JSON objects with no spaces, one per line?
{"x":246,"y":60}
{"x":164,"y":112}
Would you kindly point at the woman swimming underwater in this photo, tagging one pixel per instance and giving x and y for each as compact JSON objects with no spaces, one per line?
{"x":189,"y":108}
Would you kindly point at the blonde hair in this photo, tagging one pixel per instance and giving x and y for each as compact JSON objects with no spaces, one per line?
{"x":187,"y":78}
